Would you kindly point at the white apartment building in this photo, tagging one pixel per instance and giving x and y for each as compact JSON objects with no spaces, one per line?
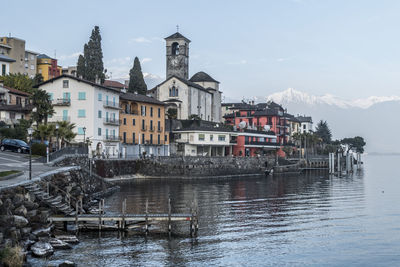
{"x":199,"y":141}
{"x":306,"y":124}
{"x":93,"y":108}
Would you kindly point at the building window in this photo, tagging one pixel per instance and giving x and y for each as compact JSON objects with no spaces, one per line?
{"x":99,"y":97}
{"x":165,"y":138}
{"x":173,"y":92}
{"x":65,"y":84}
{"x":151,"y":111}
{"x":151,"y":125}
{"x":143,"y":125}
{"x":159,"y":126}
{"x":159,"y":112}
{"x":133,"y":122}
{"x":158,"y":139}
{"x":124,"y":137}
{"x":81,"y":113}
{"x":99,"y":114}
{"x":151,"y":138}
{"x":124,"y":121}
{"x":143,"y":141}
{"x":81,"y":95}
{"x":51,"y":96}
{"x":211,"y":137}
{"x":202,"y":137}
{"x":221,"y":137}
{"x":133,"y":138}
{"x":106,"y":133}
{"x":143,"y":110}
{"x":32,"y":67}
{"x":304,"y":126}
{"x":99,"y":131}
{"x":3,"y":69}
{"x":80,"y":131}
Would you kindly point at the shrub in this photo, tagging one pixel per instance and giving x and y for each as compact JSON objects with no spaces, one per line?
{"x":39,"y":149}
{"x":12,"y":256}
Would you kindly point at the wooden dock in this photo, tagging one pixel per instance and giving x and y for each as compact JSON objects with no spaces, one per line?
{"x":124,"y":221}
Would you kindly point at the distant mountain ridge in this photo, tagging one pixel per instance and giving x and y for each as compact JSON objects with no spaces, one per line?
{"x":291,"y":95}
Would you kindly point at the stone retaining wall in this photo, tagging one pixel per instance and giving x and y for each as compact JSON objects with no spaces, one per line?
{"x":184,"y":166}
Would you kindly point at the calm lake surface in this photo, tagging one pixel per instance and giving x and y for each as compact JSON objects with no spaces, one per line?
{"x":276,"y":221}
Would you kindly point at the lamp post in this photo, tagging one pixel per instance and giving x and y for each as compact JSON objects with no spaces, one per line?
{"x":30,"y":131}
{"x":57,"y":126}
{"x":84,"y":136}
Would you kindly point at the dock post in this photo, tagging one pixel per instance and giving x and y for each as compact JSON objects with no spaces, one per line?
{"x":99,"y":215}
{"x":169,"y":216}
{"x":76,"y":217}
{"x":191,"y":219}
{"x":123,"y":213}
{"x":48,"y":188}
{"x":147,"y":216}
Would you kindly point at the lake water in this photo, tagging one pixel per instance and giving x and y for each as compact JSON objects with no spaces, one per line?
{"x":275,"y":221}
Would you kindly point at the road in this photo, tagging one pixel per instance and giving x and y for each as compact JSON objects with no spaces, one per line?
{"x":20,"y":162}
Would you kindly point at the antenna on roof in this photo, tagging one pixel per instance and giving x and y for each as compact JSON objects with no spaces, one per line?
{"x":177,"y":28}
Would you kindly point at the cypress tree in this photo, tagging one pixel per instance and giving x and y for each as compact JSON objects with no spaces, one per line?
{"x":136,"y":80}
{"x":92,"y":58}
{"x":81,"y":67}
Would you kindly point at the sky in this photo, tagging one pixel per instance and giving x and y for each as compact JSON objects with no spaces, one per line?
{"x":254,"y":48}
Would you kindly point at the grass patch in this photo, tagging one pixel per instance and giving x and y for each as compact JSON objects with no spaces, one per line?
{"x":6,"y":173}
{"x":11,"y":256}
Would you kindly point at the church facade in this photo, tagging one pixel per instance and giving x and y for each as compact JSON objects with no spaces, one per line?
{"x":197,"y":96}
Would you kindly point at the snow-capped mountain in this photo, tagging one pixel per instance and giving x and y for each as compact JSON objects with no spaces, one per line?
{"x":290,"y":96}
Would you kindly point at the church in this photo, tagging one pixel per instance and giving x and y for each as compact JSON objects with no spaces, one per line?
{"x":198,"y":95}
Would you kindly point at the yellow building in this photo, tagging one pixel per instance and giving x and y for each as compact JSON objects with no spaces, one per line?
{"x":142,"y":126}
{"x":47,"y":67}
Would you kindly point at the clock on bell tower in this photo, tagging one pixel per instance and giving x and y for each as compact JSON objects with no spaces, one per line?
{"x":177,"y":56}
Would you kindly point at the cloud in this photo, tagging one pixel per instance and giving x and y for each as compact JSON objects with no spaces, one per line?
{"x":282,"y":59}
{"x":140,"y":39}
{"x":146,"y":59}
{"x":71,"y":56}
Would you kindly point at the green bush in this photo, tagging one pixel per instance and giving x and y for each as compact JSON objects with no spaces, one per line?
{"x":39,"y":149}
{"x":11,"y":256}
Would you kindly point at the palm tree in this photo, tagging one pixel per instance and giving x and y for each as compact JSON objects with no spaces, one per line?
{"x":42,"y":102}
{"x":65,"y":132}
{"x":44,"y":131}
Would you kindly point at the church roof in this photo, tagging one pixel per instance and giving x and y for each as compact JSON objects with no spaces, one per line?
{"x":177,"y":35}
{"x":140,"y":98}
{"x":188,"y":83}
{"x":201,"y":76}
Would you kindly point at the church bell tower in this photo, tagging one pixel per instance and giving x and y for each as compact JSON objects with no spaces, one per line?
{"x":177,"y":56}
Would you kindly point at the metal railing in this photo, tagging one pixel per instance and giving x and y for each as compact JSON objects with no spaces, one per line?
{"x":61,"y":102}
{"x":111,"y":138}
{"x":159,"y":129}
{"x":83,"y":150}
{"x":112,"y":121}
{"x":111,"y":104}
{"x":261,"y":143}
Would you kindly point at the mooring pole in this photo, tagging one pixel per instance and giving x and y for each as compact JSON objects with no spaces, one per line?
{"x":147,"y":216}
{"x":123,"y":213}
{"x":169,"y":216}
{"x":76,"y":217}
{"x":99,"y":215}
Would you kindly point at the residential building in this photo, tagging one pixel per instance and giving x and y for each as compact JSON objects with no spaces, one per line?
{"x":70,"y":70}
{"x":115,"y":84}
{"x":14,"y":105}
{"x":92,"y":107}
{"x":198,"y":95}
{"x":25,"y":60}
{"x":198,"y":138}
{"x":294,"y":125}
{"x":47,"y":67}
{"x":306,"y":124}
{"x":5,"y":62}
{"x":250,"y":143}
{"x":142,"y":127}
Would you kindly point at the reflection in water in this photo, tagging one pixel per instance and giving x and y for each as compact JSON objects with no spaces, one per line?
{"x":311,"y":219}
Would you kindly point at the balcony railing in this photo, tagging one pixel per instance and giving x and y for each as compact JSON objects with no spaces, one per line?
{"x":111,"y":104}
{"x":159,"y":129}
{"x":143,"y":128}
{"x":111,"y":138}
{"x":59,"y":118}
{"x":62,"y":102}
{"x":261,"y":143}
{"x":152,"y":128}
{"x":111,"y":121}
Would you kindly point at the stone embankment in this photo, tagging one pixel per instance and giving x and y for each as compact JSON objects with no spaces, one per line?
{"x":24,"y":211}
{"x":193,"y":167}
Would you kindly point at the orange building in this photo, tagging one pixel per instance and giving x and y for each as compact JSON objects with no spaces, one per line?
{"x":142,"y":127}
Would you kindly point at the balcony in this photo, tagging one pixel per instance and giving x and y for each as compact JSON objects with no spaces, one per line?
{"x":59,"y":118}
{"x":261,"y":143}
{"x":160,"y":129}
{"x":111,"y":121}
{"x":152,"y":128}
{"x":111,"y":138}
{"x":62,"y":102}
{"x":143,"y":128}
{"x":111,"y":104}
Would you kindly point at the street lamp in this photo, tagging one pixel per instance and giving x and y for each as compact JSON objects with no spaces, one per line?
{"x":30,"y":131}
{"x":84,"y":136}
{"x":57,"y":126}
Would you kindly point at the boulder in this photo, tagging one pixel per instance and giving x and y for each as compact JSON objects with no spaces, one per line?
{"x":59,"y":244}
{"x":18,"y":199}
{"x":25,"y":231}
{"x":67,"y":264}
{"x":21,"y":210}
{"x":20,"y":221}
{"x":14,"y":234}
{"x":44,"y":215}
{"x":71,"y":239}
{"x":31,"y":205}
{"x":42,"y":249}
{"x":31,"y":214}
{"x":42,"y":232}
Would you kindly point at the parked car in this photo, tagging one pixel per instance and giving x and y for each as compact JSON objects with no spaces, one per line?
{"x":14,"y":145}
